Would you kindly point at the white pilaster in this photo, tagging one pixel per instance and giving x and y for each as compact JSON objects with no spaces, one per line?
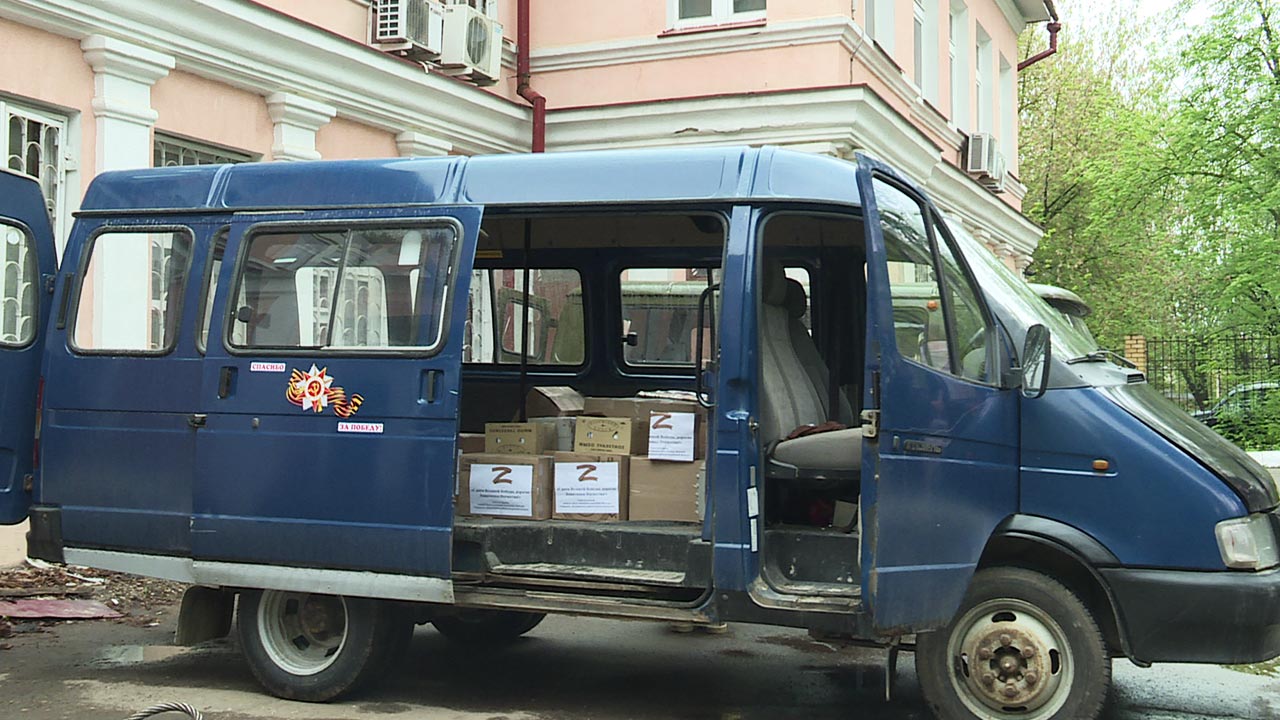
{"x":415,"y":144}
{"x":123,"y":74}
{"x":296,"y":121}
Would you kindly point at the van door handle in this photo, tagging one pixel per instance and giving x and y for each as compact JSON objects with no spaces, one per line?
{"x":65,"y":301}
{"x":197,"y":420}
{"x":226,"y":379}
{"x":430,"y":378}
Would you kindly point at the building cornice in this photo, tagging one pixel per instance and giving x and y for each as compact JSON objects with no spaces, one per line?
{"x":834,"y":29}
{"x":838,"y":121}
{"x":257,"y":49}
{"x":676,"y":46}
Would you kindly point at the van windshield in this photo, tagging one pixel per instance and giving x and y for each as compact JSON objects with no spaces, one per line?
{"x":1021,"y":306}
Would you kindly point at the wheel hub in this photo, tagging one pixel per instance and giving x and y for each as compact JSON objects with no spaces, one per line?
{"x":1011,"y":661}
{"x":1010,"y":667}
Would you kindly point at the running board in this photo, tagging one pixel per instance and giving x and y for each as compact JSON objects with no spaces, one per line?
{"x":664,"y":578}
{"x":591,"y":606}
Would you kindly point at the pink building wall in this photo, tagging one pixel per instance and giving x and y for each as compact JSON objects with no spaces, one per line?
{"x":215,"y":112}
{"x":63,"y":79}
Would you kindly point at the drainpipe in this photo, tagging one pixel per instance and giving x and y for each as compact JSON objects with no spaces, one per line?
{"x":1053,"y":27}
{"x":523,"y":75}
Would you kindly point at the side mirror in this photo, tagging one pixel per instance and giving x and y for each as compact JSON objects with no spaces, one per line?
{"x":1036,"y":353}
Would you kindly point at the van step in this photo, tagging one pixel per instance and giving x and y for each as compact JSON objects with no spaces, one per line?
{"x":581,"y":572}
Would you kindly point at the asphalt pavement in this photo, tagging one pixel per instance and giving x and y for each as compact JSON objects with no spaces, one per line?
{"x":567,"y":668}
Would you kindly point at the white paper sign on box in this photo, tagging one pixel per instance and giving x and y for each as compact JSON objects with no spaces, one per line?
{"x":587,"y":487}
{"x":671,"y":436}
{"x":502,"y":490}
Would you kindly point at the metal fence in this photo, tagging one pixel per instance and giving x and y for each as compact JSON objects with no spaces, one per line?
{"x":1197,"y":372}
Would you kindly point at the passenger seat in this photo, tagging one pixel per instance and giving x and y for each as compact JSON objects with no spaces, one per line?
{"x":790,"y":398}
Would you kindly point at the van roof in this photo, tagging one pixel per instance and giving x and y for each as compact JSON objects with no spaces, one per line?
{"x":612,"y":176}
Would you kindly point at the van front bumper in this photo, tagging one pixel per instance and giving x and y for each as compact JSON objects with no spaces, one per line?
{"x":1199,"y":617}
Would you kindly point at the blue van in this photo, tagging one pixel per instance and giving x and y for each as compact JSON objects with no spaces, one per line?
{"x":254,"y":379}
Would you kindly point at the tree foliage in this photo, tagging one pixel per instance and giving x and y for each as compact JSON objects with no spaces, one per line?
{"x":1151,"y":155}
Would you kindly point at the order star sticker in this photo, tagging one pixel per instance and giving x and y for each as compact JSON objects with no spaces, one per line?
{"x":314,"y":388}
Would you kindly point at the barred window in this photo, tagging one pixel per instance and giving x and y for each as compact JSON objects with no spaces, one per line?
{"x":34,"y":145}
{"x":171,"y":151}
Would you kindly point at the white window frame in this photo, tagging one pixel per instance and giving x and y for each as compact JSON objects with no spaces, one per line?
{"x":721,"y":14}
{"x":983,"y":81}
{"x":1008,"y":112}
{"x":878,"y":22}
{"x":958,"y":35}
{"x":62,"y":167}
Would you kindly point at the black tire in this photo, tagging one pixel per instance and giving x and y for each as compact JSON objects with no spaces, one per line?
{"x":486,"y":626}
{"x":1035,"y":641}
{"x":315,"y":648}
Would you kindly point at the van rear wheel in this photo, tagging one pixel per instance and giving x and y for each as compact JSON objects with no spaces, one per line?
{"x":311,"y":647}
{"x":486,"y":626}
{"x":1022,"y":647}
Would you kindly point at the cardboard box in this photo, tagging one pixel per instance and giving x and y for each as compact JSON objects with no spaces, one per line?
{"x":563,"y":431}
{"x":590,"y":487}
{"x":520,"y":438}
{"x":504,"y":485}
{"x":604,"y":435}
{"x":469,"y":443}
{"x":640,"y":411}
{"x":665,"y":490}
{"x":553,"y":401}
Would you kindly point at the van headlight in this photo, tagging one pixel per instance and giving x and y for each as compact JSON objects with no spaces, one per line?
{"x":1247,"y":543}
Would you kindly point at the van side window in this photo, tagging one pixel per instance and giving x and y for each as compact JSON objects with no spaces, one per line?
{"x":130,"y":296}
{"x":918,"y":321}
{"x":937,"y":319}
{"x":343,"y":288}
{"x":496,"y":310}
{"x":660,"y":307}
{"x":18,"y":291}
{"x":210,"y":289}
{"x":964,"y":313}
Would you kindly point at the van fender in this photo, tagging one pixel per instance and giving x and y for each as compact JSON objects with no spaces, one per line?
{"x":1069,"y":554}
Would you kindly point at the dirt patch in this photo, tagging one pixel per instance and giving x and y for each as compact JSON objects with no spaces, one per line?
{"x":140,"y":600}
{"x":800,"y":642}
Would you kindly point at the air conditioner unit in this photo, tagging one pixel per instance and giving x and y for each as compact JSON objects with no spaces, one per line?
{"x":979,"y":154}
{"x":995,"y":179}
{"x":472,"y":44}
{"x":413,"y":28}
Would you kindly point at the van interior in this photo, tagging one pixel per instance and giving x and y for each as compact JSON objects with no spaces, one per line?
{"x":609,"y":304}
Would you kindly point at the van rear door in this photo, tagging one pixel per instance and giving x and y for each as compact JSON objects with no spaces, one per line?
{"x":330,"y":396}
{"x":27,"y":266}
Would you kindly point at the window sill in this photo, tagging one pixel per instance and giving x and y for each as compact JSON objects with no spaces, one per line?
{"x":714,"y":27}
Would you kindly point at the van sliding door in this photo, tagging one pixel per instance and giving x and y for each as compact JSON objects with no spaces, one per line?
{"x":330,"y":394}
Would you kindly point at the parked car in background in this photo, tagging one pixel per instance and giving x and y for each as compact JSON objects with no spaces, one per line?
{"x":1240,"y":403}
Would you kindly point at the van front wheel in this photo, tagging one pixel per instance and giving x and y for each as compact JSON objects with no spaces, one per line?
{"x":311,"y":647}
{"x":1022,"y":647}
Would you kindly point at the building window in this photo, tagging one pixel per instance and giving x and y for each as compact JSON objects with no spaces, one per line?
{"x":19,"y":310}
{"x":878,"y":22}
{"x":35,"y":145}
{"x":1008,"y":111}
{"x":691,"y":13}
{"x":918,"y":37}
{"x":958,"y":37}
{"x":170,"y":151}
{"x":983,"y":82}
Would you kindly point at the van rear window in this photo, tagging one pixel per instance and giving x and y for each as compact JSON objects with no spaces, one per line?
{"x":131,"y":291}
{"x":343,"y":288}
{"x":18,"y":291}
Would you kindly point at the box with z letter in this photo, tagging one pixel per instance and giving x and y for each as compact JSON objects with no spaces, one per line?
{"x":502,"y":485}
